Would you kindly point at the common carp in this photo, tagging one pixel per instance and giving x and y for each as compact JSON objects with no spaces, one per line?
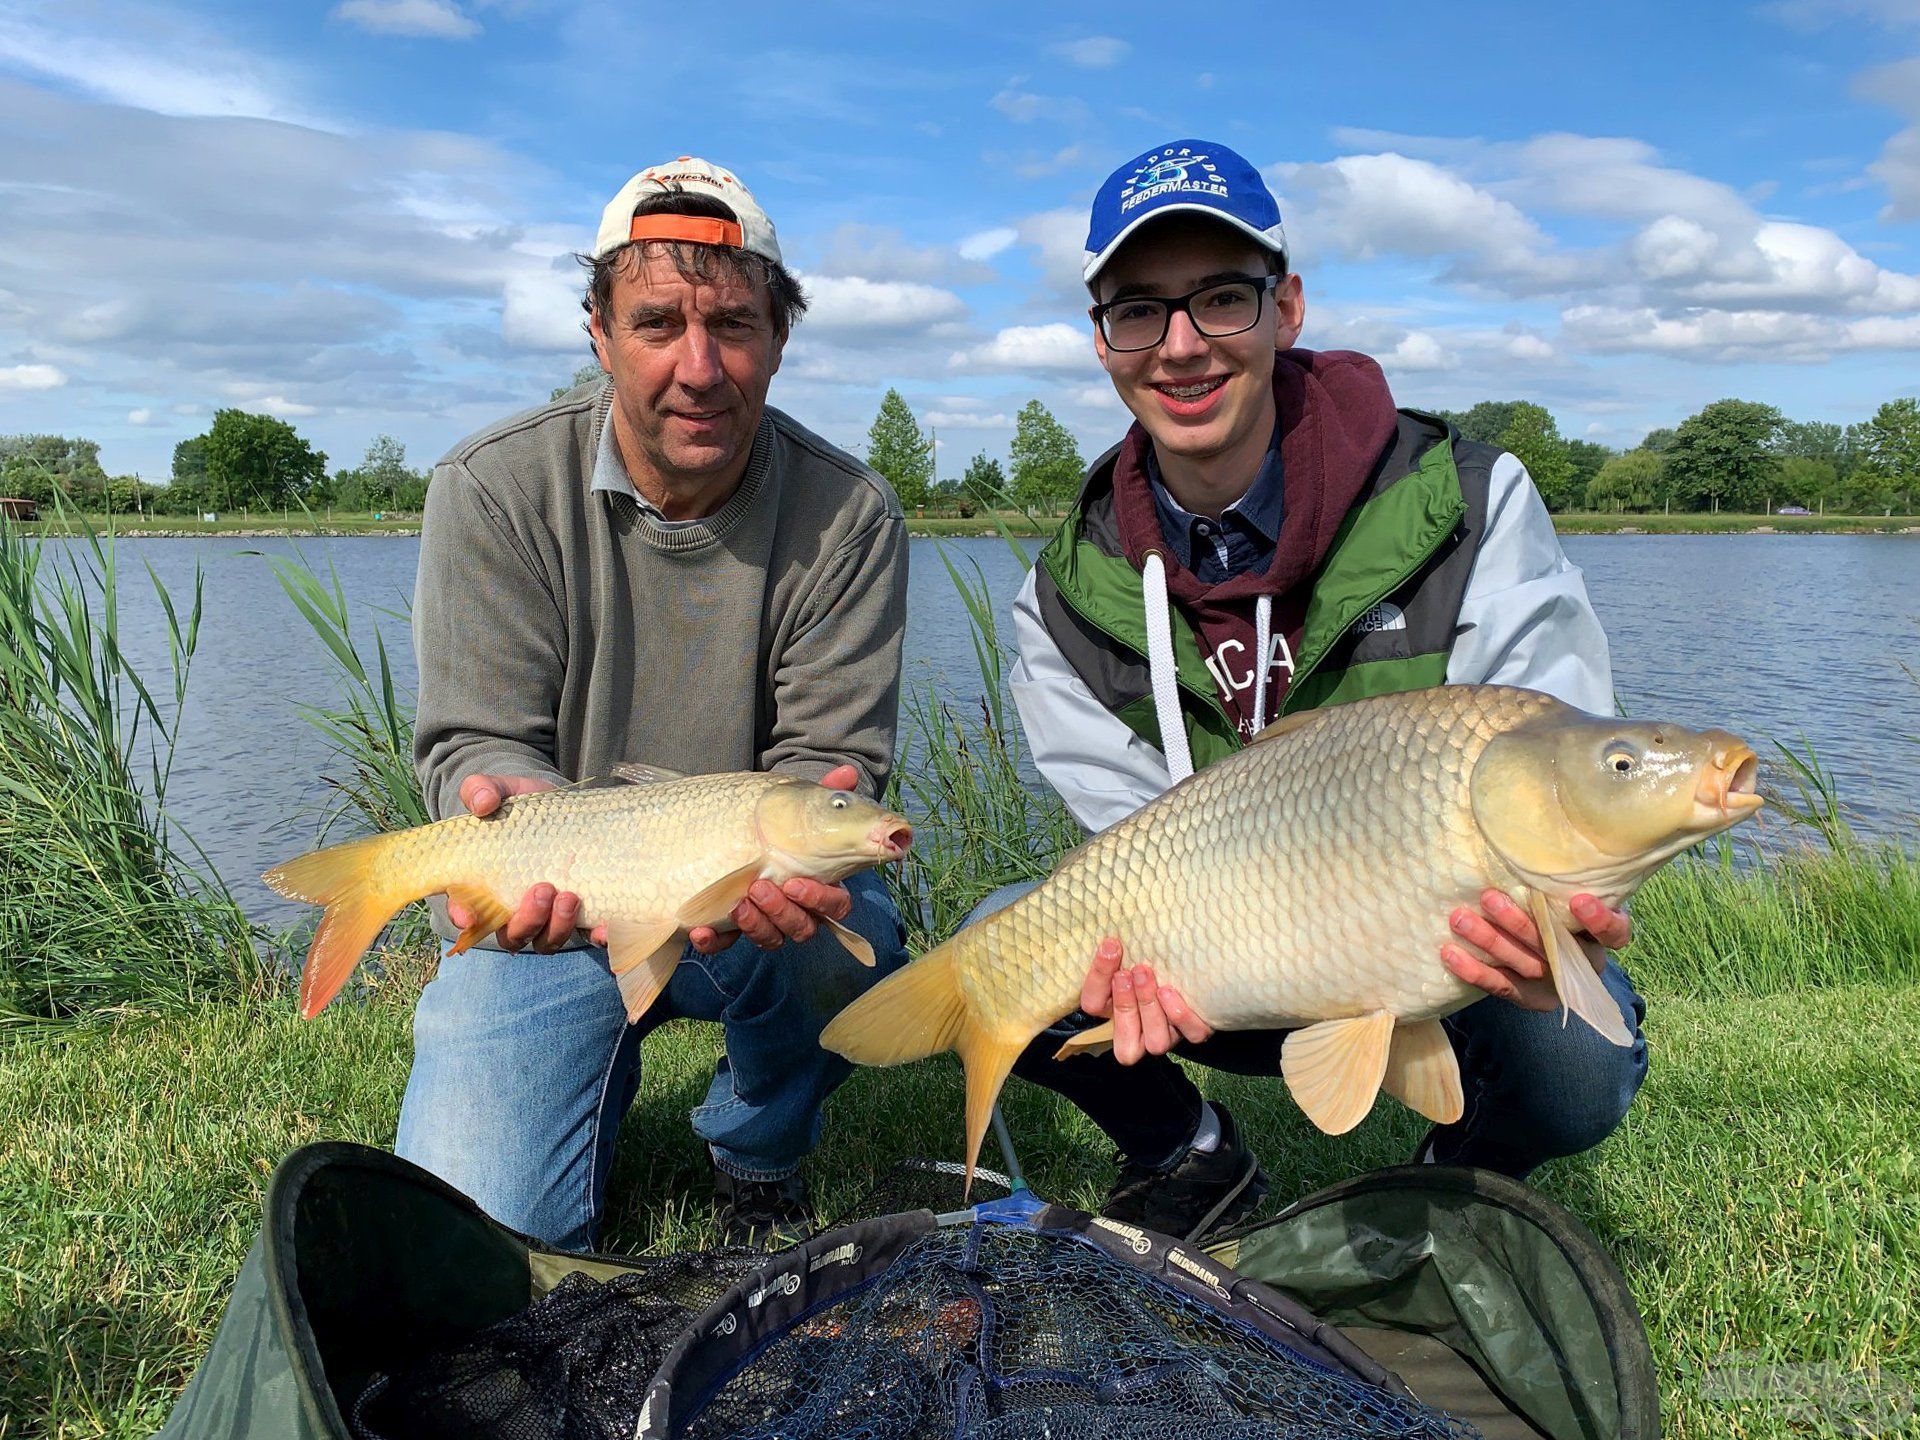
{"x":1305,"y":882}
{"x":649,"y":859}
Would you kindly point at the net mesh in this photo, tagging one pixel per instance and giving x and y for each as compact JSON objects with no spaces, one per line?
{"x":998,"y":1331}
{"x":572,"y":1366}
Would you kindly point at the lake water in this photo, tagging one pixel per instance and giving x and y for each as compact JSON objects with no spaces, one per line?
{"x":1803,"y":639}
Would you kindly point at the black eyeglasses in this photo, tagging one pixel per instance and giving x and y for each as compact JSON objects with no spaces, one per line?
{"x":1140,"y":322}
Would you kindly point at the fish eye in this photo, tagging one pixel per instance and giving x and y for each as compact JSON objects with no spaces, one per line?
{"x":1621,"y":759}
{"x":839,"y":802}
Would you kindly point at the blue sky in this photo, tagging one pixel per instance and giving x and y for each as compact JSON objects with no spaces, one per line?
{"x":358,"y":216}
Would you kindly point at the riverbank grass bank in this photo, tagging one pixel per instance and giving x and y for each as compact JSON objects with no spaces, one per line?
{"x":1763,"y":1196}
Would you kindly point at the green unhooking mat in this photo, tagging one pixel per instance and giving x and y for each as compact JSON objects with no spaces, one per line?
{"x":1422,"y":1291}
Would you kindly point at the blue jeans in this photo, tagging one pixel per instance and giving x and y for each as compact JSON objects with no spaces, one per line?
{"x":1535,"y":1089}
{"x":524,"y":1065}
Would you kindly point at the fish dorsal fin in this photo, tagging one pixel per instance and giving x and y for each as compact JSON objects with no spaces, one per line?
{"x":1574,"y":978}
{"x":1286,"y":725}
{"x":634,"y":773}
{"x":1334,"y":1069}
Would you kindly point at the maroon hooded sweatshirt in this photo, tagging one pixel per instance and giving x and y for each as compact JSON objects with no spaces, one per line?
{"x":1337,"y":419}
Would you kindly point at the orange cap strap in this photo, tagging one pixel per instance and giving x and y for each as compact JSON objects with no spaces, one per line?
{"x":700,"y":229}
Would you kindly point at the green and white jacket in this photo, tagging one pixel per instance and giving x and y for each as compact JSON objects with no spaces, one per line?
{"x":1447,"y":570}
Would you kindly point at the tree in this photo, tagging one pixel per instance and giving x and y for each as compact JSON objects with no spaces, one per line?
{"x":1045,"y":460}
{"x":985,"y":482}
{"x":1658,"y":441}
{"x":1485,"y":421}
{"x":38,"y":467}
{"x":258,"y":461}
{"x":1813,"y":440}
{"x":1586,"y":457}
{"x":898,"y":449}
{"x":381,"y":481}
{"x":587,"y":374}
{"x":1534,"y":439}
{"x":1626,"y":482}
{"x":1724,"y":455}
{"x":1890,"y":454}
{"x":1804,"y":480}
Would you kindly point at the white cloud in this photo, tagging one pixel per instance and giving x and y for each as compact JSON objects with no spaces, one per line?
{"x":31,"y":377}
{"x":540,"y":311}
{"x":141,"y":416}
{"x":424,"y":19}
{"x":1026,"y":348}
{"x":1093,"y":52}
{"x":1059,"y":240}
{"x":251,"y":398}
{"x":985,"y":244}
{"x":880,"y":252}
{"x":1363,"y":206}
{"x":158,"y":60}
{"x":1418,"y":350}
{"x":1898,"y":166}
{"x":1023,"y":107}
{"x":1530,"y":347}
{"x":967,"y":420}
{"x":852,"y":304}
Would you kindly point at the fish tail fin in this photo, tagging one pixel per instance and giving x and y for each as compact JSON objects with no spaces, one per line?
{"x":921,"y":1011}
{"x":360,"y":898}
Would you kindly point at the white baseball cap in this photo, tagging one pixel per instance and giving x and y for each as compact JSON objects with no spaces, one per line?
{"x":619,"y":225}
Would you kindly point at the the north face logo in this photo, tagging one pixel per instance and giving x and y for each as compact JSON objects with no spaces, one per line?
{"x":1384,"y":616}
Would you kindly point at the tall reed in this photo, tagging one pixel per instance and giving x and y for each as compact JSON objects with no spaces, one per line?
{"x":101,"y":912}
{"x":978,"y":822}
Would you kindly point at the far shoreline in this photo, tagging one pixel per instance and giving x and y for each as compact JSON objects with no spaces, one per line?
{"x":938,"y":527}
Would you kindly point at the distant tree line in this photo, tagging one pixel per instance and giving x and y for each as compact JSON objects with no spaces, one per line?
{"x":1044,"y":461}
{"x":1733,"y":455}
{"x":244,"y":463}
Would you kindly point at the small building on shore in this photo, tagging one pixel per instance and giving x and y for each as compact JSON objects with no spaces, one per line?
{"x":18,"y":509}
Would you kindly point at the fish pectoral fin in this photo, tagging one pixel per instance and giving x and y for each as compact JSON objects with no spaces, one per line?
{"x":1574,"y":978}
{"x":855,"y":942}
{"x":1095,"y":1041}
{"x":1334,"y":1068}
{"x":642,"y":955}
{"x":635,"y":773}
{"x":487,"y":911}
{"x":1423,"y":1073}
{"x":716,"y":902}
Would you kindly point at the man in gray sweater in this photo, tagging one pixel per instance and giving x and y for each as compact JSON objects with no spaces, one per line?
{"x":657,"y":568}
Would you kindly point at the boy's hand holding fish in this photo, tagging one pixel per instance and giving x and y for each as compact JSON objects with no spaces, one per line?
{"x":768,"y":915}
{"x":1501,"y":953}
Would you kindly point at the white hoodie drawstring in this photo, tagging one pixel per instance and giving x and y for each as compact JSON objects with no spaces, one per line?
{"x":1263,"y":641}
{"x":1160,"y":669}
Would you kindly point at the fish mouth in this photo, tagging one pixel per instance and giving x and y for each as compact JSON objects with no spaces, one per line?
{"x":891,"y":837}
{"x":1727,"y":790}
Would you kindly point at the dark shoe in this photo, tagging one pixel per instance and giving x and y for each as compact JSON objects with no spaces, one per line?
{"x":763,"y":1214}
{"x":1195,"y":1196}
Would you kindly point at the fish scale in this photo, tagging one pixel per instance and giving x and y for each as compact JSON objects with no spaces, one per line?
{"x":1284,"y":841}
{"x":1306,"y":882}
{"x":648,"y":860}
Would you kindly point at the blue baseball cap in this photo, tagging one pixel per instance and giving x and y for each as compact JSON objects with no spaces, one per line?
{"x":1195,"y":175}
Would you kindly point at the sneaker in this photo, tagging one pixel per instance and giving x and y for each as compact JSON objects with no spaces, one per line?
{"x":1197,"y":1195}
{"x":761,"y":1214}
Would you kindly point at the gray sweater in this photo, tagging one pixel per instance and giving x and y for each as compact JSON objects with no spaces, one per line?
{"x":561,"y":627}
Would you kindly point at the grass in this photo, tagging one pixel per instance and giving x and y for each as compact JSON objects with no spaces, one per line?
{"x":1763,"y":1195}
{"x":266,"y":522}
{"x":102,"y":907}
{"x":1655,"y":523}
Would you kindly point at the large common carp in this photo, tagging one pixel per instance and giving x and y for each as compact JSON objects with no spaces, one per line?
{"x":649,"y":859}
{"x":1305,"y":883}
